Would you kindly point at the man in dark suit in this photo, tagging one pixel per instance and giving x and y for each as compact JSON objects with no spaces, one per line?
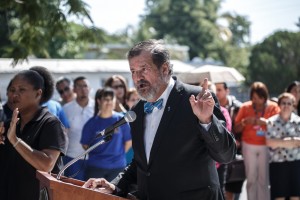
{"x":177,"y":136}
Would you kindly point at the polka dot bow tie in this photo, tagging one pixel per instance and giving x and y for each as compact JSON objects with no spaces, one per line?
{"x":149,"y":106}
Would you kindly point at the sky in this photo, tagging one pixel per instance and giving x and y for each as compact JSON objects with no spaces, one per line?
{"x":266,"y":16}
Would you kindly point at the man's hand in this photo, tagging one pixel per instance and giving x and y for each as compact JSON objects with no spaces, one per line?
{"x":100,"y":184}
{"x":203,"y":104}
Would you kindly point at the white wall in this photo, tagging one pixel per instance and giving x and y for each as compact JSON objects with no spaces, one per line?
{"x":96,"y":80}
{"x":95,"y":70}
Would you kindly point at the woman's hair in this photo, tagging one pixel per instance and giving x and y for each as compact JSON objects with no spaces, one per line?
{"x":292,"y":85}
{"x":289,"y":89}
{"x":100,"y":93}
{"x":63,"y":79}
{"x":48,"y":87}
{"x":260,"y":89}
{"x":109,"y":83}
{"x":130,"y":92}
{"x":286,"y":95}
{"x":39,"y":78}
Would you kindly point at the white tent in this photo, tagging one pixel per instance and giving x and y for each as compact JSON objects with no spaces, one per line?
{"x":214,"y":73}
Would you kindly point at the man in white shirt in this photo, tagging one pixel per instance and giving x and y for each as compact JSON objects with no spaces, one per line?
{"x":78,"y":112}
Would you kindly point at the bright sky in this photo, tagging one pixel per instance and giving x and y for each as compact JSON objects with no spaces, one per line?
{"x":266,"y":16}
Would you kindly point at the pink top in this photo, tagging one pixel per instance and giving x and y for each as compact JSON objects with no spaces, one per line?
{"x":227,"y":117}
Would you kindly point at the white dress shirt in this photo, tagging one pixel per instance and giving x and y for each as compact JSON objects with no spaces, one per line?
{"x":77,"y":117}
{"x":152,"y":120}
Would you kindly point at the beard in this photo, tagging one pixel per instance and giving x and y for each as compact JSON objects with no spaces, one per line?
{"x":148,"y":91}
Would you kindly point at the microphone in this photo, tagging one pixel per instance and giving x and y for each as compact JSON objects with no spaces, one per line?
{"x":130,"y":116}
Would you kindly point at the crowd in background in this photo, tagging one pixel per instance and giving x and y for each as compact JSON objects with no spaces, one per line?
{"x":267,"y":135}
{"x":267,"y":132}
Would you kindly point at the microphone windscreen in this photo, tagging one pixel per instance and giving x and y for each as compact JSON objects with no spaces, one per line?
{"x":130,"y":116}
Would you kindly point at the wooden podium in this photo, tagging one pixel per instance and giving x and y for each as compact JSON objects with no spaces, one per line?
{"x":67,"y":188}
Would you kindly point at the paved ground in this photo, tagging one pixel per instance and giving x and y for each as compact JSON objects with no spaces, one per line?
{"x":244,"y":192}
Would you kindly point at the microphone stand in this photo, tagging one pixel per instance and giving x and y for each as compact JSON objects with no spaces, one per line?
{"x":105,"y":139}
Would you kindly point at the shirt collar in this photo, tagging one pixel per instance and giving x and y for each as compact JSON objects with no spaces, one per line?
{"x":167,"y":91}
{"x":292,"y":119}
{"x":39,"y":114}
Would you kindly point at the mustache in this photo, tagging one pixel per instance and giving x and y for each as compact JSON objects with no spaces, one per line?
{"x":140,"y":82}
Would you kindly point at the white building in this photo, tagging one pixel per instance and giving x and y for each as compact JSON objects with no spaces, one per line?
{"x":96,"y":71}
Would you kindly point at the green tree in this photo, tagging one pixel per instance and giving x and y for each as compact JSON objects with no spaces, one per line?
{"x":74,"y":41}
{"x":41,"y":28}
{"x":194,"y":23}
{"x":239,"y":27}
{"x":191,"y":23}
{"x":276,"y":61}
{"x":236,"y":52}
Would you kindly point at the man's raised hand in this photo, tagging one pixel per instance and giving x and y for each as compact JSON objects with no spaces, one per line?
{"x":203,"y":104}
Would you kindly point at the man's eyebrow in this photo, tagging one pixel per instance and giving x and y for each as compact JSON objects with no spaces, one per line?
{"x":140,"y":67}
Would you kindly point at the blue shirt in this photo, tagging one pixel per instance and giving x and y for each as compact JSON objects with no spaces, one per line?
{"x":55,"y":108}
{"x":110,"y":155}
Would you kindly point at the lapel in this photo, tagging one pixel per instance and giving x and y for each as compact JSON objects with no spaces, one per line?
{"x":169,"y":112}
{"x":139,"y":127}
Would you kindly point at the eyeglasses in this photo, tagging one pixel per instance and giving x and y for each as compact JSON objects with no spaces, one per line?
{"x":286,"y":103}
{"x":66,"y":89}
{"x":107,"y":99}
{"x":117,"y":86}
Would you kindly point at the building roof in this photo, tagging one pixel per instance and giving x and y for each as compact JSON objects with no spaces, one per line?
{"x":81,"y":65}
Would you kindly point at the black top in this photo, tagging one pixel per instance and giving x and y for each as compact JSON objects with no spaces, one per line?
{"x":17,"y":176}
{"x":8,"y":112}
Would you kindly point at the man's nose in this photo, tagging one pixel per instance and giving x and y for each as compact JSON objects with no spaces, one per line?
{"x":139,"y":75}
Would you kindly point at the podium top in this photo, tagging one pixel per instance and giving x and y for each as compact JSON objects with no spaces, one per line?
{"x":68,"y":188}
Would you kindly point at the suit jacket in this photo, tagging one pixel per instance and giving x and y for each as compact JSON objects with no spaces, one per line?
{"x":183,"y":154}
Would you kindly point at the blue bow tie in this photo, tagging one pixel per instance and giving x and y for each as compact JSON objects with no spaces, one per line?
{"x":149,"y":106}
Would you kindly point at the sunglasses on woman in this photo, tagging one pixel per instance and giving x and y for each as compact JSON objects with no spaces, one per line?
{"x":117,"y":86}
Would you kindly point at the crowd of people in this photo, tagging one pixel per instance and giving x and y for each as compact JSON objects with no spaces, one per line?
{"x":267,"y":137}
{"x":180,"y":146}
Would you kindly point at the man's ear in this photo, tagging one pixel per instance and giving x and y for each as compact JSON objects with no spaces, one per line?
{"x":165,"y":68}
{"x":227,"y":91}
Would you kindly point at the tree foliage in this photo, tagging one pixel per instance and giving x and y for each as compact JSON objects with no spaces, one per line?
{"x":191,"y":23}
{"x":194,"y":23}
{"x":75,"y":41}
{"x":41,"y":28}
{"x":276,"y":61}
{"x":240,"y":29}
